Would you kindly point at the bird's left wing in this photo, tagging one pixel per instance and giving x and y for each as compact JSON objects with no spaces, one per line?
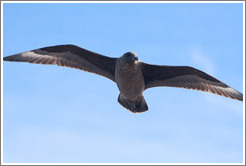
{"x":186,"y":77}
{"x":69,"y":56}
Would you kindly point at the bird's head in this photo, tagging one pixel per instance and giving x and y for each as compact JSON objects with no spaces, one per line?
{"x":130,"y":57}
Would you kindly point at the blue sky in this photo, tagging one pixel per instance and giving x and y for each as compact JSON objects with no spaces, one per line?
{"x":53,"y":114}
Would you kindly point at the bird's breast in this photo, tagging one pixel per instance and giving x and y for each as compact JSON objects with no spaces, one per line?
{"x":130,"y":81}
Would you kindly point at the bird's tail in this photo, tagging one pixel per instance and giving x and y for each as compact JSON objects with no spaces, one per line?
{"x":137,"y":106}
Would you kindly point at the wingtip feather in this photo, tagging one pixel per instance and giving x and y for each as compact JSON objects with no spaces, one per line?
{"x":240,"y":97}
{"x":7,"y":58}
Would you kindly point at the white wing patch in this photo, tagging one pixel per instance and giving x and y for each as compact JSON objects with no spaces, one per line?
{"x":33,"y":57}
{"x":64,"y":59}
{"x":197,"y":83}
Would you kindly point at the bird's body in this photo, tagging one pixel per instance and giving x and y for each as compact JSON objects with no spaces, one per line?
{"x":131,"y":75}
{"x":130,"y":81}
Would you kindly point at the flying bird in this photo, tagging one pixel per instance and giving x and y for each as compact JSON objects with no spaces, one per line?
{"x":131,"y":75}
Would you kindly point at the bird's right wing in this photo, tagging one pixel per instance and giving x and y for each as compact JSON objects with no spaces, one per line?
{"x":69,"y":56}
{"x":186,"y":77}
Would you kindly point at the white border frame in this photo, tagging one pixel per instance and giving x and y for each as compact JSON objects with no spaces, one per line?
{"x":2,"y":2}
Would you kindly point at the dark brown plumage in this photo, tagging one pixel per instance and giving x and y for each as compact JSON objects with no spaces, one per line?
{"x":186,"y":77}
{"x":131,"y":76}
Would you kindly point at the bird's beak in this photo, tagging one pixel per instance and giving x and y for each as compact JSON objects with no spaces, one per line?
{"x":136,"y":58}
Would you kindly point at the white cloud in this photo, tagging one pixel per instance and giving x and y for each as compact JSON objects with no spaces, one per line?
{"x":203,"y":61}
{"x":225,"y":103}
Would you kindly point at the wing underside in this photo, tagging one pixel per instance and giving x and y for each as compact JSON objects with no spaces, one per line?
{"x":69,"y":56}
{"x":186,"y":77}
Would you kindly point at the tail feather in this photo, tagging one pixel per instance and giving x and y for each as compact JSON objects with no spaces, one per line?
{"x":137,"y":106}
